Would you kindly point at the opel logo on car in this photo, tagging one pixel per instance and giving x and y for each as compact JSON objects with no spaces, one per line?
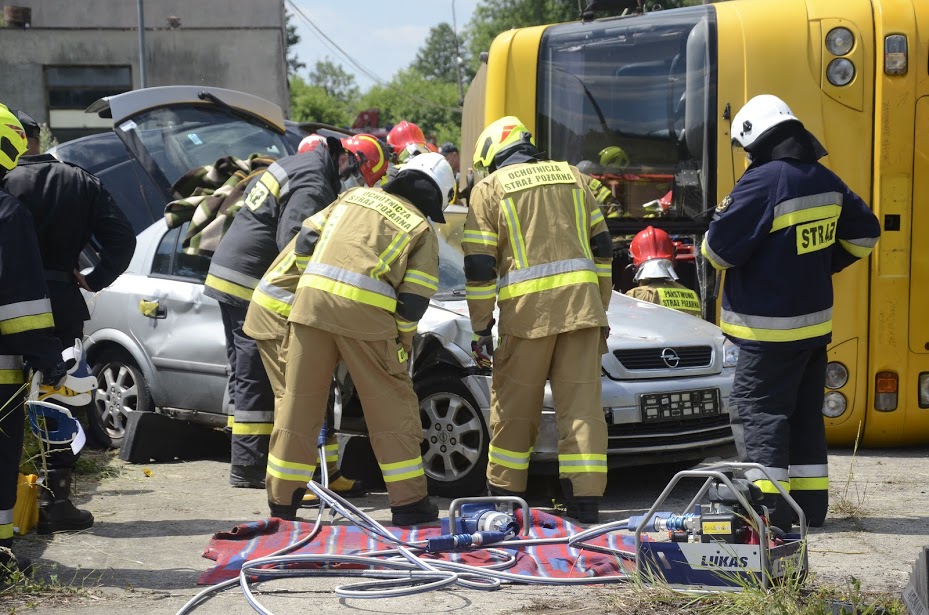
{"x":670,"y":357}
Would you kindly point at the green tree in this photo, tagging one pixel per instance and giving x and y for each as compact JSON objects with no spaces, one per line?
{"x":312,"y":103}
{"x":437,"y":58}
{"x":491,"y":17}
{"x":293,"y":62}
{"x":335,"y":81}
{"x":410,"y":95}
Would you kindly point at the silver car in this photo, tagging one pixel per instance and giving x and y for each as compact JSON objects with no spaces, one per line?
{"x":156,"y":342}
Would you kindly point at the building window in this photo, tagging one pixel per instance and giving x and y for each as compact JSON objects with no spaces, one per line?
{"x":71,"y":89}
{"x":77,"y":87}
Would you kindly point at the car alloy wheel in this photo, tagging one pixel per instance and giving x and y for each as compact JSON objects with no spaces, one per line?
{"x":455,"y":438}
{"x":121,"y":390}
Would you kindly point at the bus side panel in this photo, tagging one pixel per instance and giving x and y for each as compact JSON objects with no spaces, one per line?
{"x":917,"y":418}
{"x":894,"y":113}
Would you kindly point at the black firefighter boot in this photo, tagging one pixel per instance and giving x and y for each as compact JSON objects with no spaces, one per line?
{"x":10,"y":563}
{"x":56,"y":512}
{"x":583,"y":509}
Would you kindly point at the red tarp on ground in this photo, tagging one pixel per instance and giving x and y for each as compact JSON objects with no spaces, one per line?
{"x":249,"y":541}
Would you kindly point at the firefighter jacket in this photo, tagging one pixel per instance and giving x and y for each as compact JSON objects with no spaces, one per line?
{"x":784,"y":230}
{"x":669,"y":293}
{"x":535,"y":221}
{"x":25,"y":311}
{"x":273,"y":298}
{"x":372,"y":265}
{"x":69,"y":206}
{"x":276,"y":203}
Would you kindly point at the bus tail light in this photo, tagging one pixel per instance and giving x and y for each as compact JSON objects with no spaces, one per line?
{"x":895,"y":54}
{"x":924,"y":390}
{"x":885,"y":391}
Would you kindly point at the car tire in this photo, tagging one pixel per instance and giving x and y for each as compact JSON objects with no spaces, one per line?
{"x":121,"y":390}
{"x":455,"y":437}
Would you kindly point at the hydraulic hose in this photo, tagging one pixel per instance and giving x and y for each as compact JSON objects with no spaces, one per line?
{"x":402,"y":570}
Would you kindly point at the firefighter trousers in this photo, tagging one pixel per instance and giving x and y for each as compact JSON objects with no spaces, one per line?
{"x":379,"y":371}
{"x":12,"y":421}
{"x":775,"y":409}
{"x":249,"y":391}
{"x":571,"y":361}
{"x":272,"y":357}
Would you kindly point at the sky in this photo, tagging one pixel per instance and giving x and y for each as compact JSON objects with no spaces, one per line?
{"x":382,"y":36}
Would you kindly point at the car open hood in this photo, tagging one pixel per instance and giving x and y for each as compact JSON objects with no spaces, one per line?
{"x":121,"y":107}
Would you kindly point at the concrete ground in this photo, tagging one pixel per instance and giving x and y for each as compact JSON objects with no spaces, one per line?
{"x":154,"y":521}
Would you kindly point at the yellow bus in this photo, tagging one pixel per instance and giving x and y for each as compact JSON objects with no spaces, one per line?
{"x":663,"y":87}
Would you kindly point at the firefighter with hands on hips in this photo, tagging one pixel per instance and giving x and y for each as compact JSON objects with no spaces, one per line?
{"x":68,"y":207}
{"x":26,"y":338}
{"x":788,"y":226}
{"x":653,"y":257}
{"x":536,"y":241}
{"x":275,"y":205}
{"x":370,"y":266}
{"x":272,"y":301}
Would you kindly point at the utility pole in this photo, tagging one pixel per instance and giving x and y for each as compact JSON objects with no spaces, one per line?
{"x":141,"y":45}
{"x":458,"y":60}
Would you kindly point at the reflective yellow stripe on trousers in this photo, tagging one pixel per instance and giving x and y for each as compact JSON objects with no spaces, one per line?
{"x":11,"y":369}
{"x":290,"y":470}
{"x":581,"y":462}
{"x":402,"y":470}
{"x":509,"y":459}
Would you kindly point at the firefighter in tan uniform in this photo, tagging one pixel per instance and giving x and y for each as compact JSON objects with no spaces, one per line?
{"x":372,"y":265}
{"x":653,"y":257}
{"x":272,"y":301}
{"x":536,"y":240}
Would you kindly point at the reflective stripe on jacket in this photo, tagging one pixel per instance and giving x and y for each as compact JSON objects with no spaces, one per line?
{"x":781,"y":234}
{"x":369,"y":248}
{"x":536,"y":220}
{"x":26,"y":322}
{"x":274,"y":207}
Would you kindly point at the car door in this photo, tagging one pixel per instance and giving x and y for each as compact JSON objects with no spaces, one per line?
{"x":181,"y":329}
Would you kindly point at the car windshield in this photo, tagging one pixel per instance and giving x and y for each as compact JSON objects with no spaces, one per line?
{"x":451,"y":272}
{"x":181,"y":138}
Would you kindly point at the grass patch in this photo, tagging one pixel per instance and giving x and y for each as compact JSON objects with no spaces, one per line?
{"x":850,"y":503}
{"x":23,"y":592}
{"x":791,"y":598}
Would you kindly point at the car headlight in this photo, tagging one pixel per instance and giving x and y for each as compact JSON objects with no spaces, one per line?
{"x":924,"y":390}
{"x":730,"y":354}
{"x":836,"y":375}
{"x":834,"y":404}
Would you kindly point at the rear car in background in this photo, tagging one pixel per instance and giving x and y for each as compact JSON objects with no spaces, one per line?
{"x":156,"y":342}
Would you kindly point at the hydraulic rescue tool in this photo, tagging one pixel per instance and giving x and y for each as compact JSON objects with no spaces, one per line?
{"x":726,"y":543}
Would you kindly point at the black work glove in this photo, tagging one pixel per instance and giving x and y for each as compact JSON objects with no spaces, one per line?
{"x":54,"y":376}
{"x":482,"y":346}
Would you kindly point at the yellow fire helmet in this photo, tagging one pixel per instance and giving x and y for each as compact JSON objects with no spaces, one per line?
{"x":12,"y":139}
{"x":614,"y":156}
{"x":498,"y":136}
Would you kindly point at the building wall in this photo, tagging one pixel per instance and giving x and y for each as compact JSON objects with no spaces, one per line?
{"x":235,"y":44}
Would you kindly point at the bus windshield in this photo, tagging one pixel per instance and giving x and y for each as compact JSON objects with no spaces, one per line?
{"x":631,"y":101}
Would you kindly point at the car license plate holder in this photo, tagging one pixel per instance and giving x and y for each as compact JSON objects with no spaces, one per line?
{"x":679,"y":405}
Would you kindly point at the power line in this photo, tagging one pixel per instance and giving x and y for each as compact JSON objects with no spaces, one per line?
{"x":364,"y":70}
